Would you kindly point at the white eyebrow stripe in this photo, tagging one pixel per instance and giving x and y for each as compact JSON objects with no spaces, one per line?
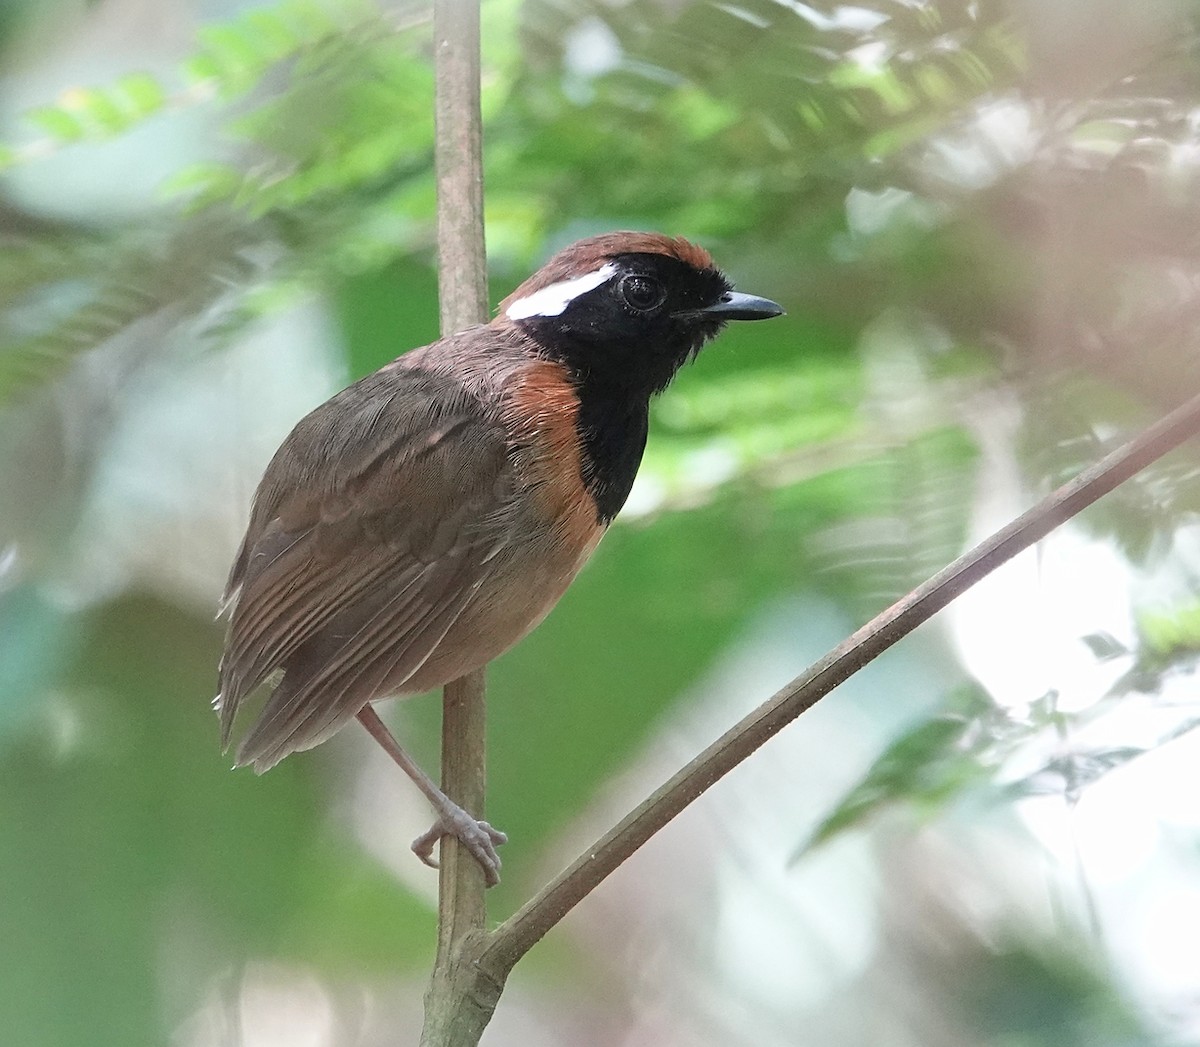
{"x":553,"y":299}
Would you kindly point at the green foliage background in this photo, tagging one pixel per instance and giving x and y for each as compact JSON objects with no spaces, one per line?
{"x":1055,"y":268}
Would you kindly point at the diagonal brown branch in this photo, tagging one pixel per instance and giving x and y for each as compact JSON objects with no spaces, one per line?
{"x":509,"y":942}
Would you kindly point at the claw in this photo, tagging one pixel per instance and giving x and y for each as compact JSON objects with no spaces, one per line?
{"x":478,"y":837}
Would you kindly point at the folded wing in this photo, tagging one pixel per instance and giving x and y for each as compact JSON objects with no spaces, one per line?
{"x":372,"y":530}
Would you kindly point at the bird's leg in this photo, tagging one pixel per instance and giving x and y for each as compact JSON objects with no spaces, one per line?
{"x":479,"y":838}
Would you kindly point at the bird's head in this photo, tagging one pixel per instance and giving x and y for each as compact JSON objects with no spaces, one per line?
{"x":628,"y":309}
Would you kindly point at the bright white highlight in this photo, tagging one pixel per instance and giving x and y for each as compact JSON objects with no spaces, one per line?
{"x":552,"y":300}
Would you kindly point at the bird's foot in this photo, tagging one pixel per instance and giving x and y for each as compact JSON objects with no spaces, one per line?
{"x":478,"y":837}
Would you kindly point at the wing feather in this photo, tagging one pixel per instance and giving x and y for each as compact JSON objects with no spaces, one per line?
{"x":283,"y":614}
{"x":370,"y":532}
{"x":393,"y":645}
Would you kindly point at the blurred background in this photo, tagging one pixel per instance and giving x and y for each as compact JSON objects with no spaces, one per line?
{"x":983,"y":219}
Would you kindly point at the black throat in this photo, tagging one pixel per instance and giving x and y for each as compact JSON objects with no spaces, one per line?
{"x":612,"y":427}
{"x":614,"y":409}
{"x":622,"y":341}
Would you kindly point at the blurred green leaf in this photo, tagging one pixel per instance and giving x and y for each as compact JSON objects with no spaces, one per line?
{"x":1171,"y":632}
{"x":926,"y":766}
{"x":143,"y":94}
{"x":58,"y":122}
{"x":1104,"y":646}
{"x":1047,"y":992}
{"x":1068,"y":775}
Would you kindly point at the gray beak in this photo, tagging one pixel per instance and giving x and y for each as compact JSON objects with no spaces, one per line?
{"x":733,"y":305}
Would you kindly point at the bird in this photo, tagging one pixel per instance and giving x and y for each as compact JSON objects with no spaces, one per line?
{"x":425,"y":519}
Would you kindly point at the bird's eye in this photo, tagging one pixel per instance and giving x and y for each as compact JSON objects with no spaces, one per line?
{"x":641,"y":293}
